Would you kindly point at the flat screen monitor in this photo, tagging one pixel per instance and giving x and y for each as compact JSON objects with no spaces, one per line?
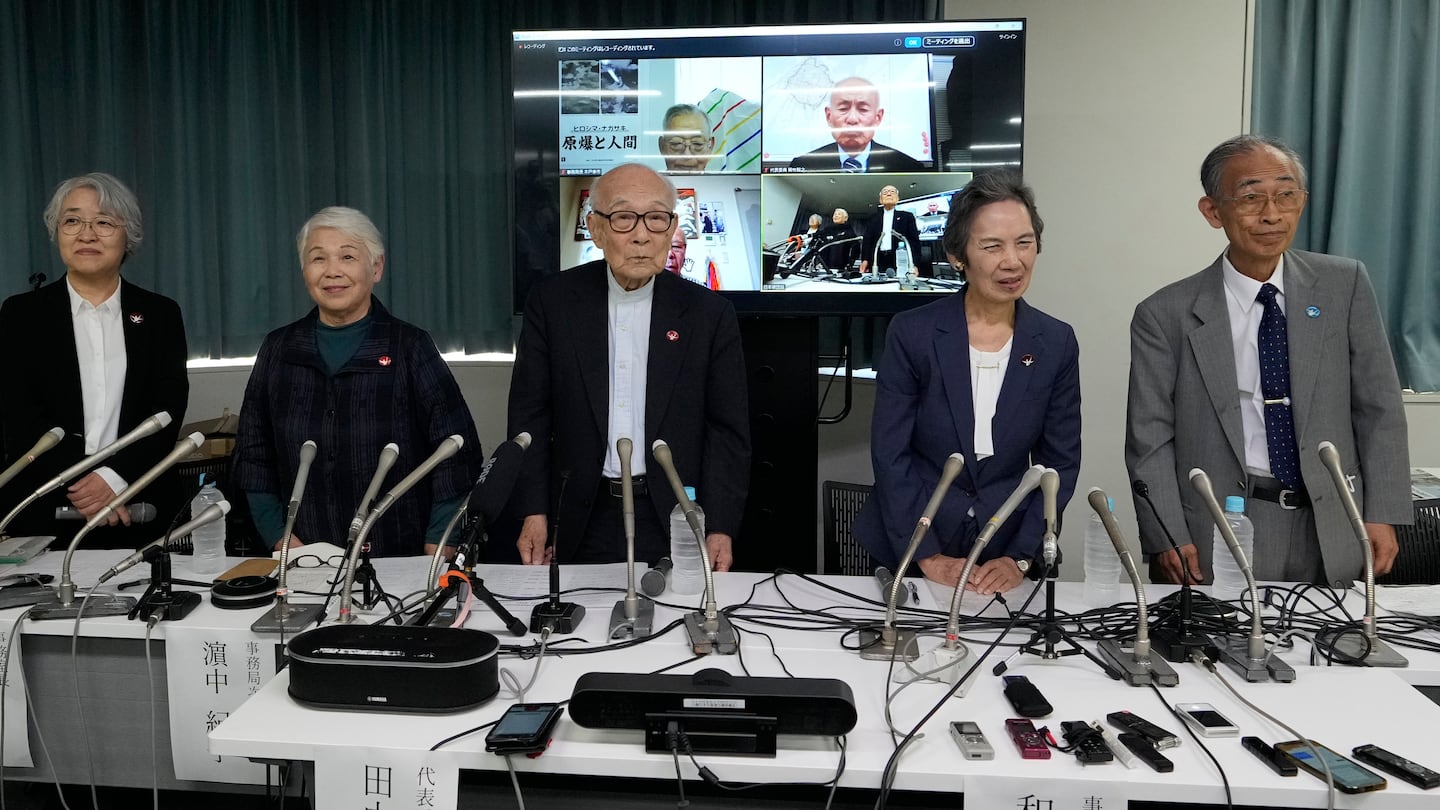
{"x":764,"y":130}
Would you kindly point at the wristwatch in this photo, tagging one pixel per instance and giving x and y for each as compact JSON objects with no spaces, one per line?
{"x":1023,"y":565}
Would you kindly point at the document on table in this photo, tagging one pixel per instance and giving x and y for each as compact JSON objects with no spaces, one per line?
{"x":525,"y":585}
{"x":1423,"y":600}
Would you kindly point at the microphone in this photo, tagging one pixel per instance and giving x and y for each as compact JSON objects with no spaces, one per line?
{"x":449,"y":447}
{"x":484,"y":503}
{"x":947,"y":656}
{"x":285,"y":617}
{"x":146,"y":428}
{"x":389,"y":454}
{"x":139,"y":513}
{"x":1372,"y":649}
{"x":892,"y":642}
{"x":885,"y":579}
{"x":710,"y":631}
{"x":1138,"y":667}
{"x":654,"y":581}
{"x":183,"y":448}
{"x":632,"y":616}
{"x":1176,"y":643}
{"x":554,"y":615}
{"x":1253,"y":662}
{"x":208,"y":515}
{"x":51,"y":438}
{"x":1049,"y":491}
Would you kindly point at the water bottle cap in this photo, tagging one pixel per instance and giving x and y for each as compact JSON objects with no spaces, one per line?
{"x":690,"y":493}
{"x":1235,"y":504}
{"x":1110,"y":503}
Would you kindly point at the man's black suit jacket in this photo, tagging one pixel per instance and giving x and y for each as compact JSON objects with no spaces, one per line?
{"x":882,"y":159}
{"x":903,"y":225}
{"x":44,"y":392}
{"x":695,"y":400}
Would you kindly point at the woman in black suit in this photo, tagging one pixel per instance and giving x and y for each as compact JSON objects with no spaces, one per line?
{"x":95,"y":355}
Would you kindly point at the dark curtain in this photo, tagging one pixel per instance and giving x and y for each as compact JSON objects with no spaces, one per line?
{"x":1355,"y":88}
{"x":235,"y":120}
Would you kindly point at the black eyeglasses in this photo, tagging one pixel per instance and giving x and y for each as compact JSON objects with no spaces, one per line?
{"x":625,"y":221}
{"x":314,"y":561}
{"x":1253,"y":203}
{"x":102,"y":226}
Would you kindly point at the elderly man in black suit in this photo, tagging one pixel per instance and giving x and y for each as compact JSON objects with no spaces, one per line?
{"x":853,"y":115}
{"x":94,"y":355}
{"x":884,"y":235}
{"x":618,"y":348}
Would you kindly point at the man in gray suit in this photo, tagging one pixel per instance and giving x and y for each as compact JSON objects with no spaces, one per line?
{"x":1244,"y":368}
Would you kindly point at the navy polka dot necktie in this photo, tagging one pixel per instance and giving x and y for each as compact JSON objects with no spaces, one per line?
{"x":1275,"y":386}
{"x":850,"y":164}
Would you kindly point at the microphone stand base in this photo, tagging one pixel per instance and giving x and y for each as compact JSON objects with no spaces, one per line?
{"x":1353,"y":646}
{"x":1156,"y":670}
{"x":623,"y":627}
{"x":1175,"y":646}
{"x":560,"y":617}
{"x":289,"y":618}
{"x":942,"y":664}
{"x":172,"y":607}
{"x":101,"y":605}
{"x":1236,"y":655}
{"x":874,"y":648}
{"x":722,"y":641}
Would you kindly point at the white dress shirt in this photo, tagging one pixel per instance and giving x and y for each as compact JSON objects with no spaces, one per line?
{"x":629,"y":335}
{"x":1245,"y":314}
{"x":100,"y":349}
{"x":987,"y":373}
{"x":887,"y":228}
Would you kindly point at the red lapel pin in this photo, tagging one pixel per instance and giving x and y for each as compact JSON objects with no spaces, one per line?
{"x":672,"y":336}
{"x":136,"y":318}
{"x":1028,"y":360}
{"x":385,"y":361}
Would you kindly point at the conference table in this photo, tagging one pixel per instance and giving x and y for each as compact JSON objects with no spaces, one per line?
{"x":789,"y":625}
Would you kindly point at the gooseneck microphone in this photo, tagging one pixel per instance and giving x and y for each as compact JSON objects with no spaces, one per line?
{"x":710,"y":630}
{"x":449,"y":447}
{"x":892,"y":642}
{"x":1050,"y":491}
{"x":208,"y":515}
{"x":552,"y":614}
{"x":1253,"y":662}
{"x":285,"y":617}
{"x":51,"y":438}
{"x":66,"y":589}
{"x":1371,"y":648}
{"x":146,"y":428}
{"x":1138,"y":666}
{"x":633,"y":616}
{"x":1176,"y":643}
{"x":946,"y":659}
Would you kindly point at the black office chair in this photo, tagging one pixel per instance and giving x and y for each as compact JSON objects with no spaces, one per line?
{"x":1418,"y":562}
{"x":841,"y":503}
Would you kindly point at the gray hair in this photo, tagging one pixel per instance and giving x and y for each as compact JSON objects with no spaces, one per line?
{"x":115,"y":199}
{"x":982,"y":190}
{"x":817,"y":220}
{"x":1212,"y":168}
{"x":683,"y":109}
{"x":349,"y":222}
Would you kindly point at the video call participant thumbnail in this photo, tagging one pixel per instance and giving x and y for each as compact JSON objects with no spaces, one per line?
{"x":853,"y":114}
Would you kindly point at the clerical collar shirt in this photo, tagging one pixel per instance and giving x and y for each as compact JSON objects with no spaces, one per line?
{"x":100,"y":348}
{"x":629,"y":335}
{"x":887,"y":231}
{"x":1245,"y":313}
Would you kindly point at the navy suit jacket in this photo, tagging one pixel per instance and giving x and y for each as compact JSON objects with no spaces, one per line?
{"x":882,"y":159}
{"x":44,"y":392}
{"x":924,"y":412}
{"x":695,"y":400}
{"x":904,"y":227}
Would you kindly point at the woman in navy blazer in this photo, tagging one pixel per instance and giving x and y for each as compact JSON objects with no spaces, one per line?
{"x":943,"y":363}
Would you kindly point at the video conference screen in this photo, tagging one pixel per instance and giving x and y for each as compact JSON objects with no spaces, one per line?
{"x":814,"y":164}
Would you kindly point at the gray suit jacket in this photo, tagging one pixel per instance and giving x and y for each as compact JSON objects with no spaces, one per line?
{"x":1184,"y":404}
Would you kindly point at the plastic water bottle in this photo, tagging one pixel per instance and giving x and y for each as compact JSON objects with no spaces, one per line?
{"x":687,"y":577}
{"x":1229,"y":581}
{"x":1102,"y":565}
{"x":209,"y":539}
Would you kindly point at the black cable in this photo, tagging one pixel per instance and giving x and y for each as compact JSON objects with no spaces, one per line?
{"x":1224,"y":779}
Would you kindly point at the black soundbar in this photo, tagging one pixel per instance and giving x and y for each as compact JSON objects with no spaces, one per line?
{"x":797,"y":705}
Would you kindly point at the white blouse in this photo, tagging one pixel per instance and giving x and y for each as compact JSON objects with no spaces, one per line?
{"x":987,"y":372}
